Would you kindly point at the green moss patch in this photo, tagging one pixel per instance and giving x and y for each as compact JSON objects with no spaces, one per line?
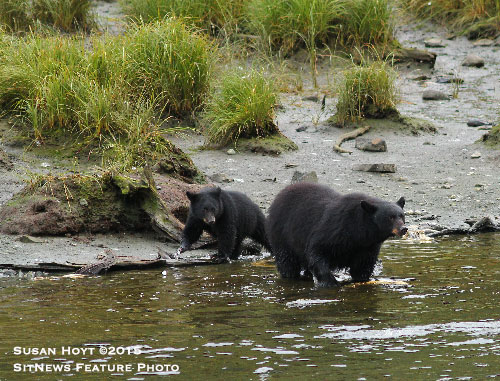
{"x":272,"y":145}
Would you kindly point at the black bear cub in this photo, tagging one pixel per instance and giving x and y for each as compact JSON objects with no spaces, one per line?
{"x":314,"y":229}
{"x":229,"y":216}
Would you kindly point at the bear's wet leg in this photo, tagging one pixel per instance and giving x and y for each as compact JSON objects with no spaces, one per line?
{"x":321,"y":271}
{"x":363,"y":270}
{"x":288,"y":265}
{"x":226,"y":237}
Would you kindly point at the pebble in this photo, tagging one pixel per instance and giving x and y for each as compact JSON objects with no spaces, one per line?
{"x":434,"y":43}
{"x":221,"y":178}
{"x":30,"y":239}
{"x":442,"y":79}
{"x":434,"y":95}
{"x":473,"y":60}
{"x":476,"y":123}
{"x":231,"y":151}
{"x":309,"y":177}
{"x":373,"y":145}
{"x":483,"y":42}
{"x":381,"y":168}
{"x":301,"y":129}
{"x":475,"y":155}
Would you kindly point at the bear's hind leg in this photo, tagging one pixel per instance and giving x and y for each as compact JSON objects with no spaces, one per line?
{"x":363,"y":270}
{"x":321,"y":271}
{"x":288,"y":265}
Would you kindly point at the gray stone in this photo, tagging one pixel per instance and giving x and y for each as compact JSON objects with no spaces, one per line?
{"x":311,"y":98}
{"x":484,"y":42}
{"x":83,"y":202}
{"x":307,"y":177}
{"x":421,"y":77}
{"x":473,"y":60}
{"x":301,"y":129}
{"x":434,"y":43}
{"x":382,"y":168}
{"x":30,"y":239}
{"x":475,"y":155}
{"x":374,"y":145}
{"x":220,"y":178}
{"x":231,"y":151}
{"x":476,"y":123}
{"x":434,"y":95}
{"x":451,"y":79}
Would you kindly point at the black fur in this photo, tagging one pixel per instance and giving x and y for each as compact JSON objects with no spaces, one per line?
{"x":229,"y":216}
{"x":313,"y":228}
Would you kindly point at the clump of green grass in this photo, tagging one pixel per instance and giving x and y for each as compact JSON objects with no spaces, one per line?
{"x":14,"y":15}
{"x":367,"y":90}
{"x":171,"y":62}
{"x":66,"y":15}
{"x":473,"y":17}
{"x":116,"y":93}
{"x":367,"y":22}
{"x":211,"y":15}
{"x":285,"y":24}
{"x":243,"y":107}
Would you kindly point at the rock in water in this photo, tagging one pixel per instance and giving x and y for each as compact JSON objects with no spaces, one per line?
{"x":309,"y":177}
{"x":382,"y":168}
{"x":473,"y":60}
{"x":434,"y":95}
{"x":374,"y":145}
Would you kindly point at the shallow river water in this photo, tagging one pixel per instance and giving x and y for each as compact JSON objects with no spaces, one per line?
{"x":433,"y":313}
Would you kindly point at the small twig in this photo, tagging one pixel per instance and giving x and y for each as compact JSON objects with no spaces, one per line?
{"x":348,"y":136}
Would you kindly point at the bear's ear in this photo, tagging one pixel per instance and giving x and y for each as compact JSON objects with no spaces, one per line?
{"x":191,"y":196}
{"x":368,"y":206}
{"x":401,"y":202}
{"x":217,"y":191}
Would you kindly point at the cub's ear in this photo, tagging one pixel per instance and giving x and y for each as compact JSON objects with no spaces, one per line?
{"x":368,"y":206}
{"x":217,"y":191}
{"x":191,"y":196}
{"x":401,"y":202}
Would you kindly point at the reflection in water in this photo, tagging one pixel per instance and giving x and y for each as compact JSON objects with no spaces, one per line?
{"x":432,"y":313}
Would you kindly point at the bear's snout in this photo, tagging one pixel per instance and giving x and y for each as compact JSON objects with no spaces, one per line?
{"x":209,"y":220}
{"x":400,"y":231}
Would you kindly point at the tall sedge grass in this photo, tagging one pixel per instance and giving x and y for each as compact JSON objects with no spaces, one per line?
{"x":475,"y":17}
{"x":366,"y":90}
{"x":211,"y":15}
{"x":171,"y":62}
{"x":117,"y":91}
{"x":242,"y":107}
{"x":66,"y":15}
{"x":368,"y":22}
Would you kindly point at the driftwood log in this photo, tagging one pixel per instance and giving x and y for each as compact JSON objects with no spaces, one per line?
{"x":348,"y":136}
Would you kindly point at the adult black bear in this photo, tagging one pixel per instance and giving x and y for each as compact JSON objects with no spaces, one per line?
{"x":313,"y":228}
{"x":227,"y":215}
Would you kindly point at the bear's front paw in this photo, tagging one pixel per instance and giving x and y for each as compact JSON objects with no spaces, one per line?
{"x":218,"y":258}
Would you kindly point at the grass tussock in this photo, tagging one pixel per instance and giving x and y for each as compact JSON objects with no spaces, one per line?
{"x":286,"y":24}
{"x":473,"y":17}
{"x":66,"y":15}
{"x":210,"y":15}
{"x":115,"y":94}
{"x":366,"y":90}
{"x":243,"y":107}
{"x":170,"y":61}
